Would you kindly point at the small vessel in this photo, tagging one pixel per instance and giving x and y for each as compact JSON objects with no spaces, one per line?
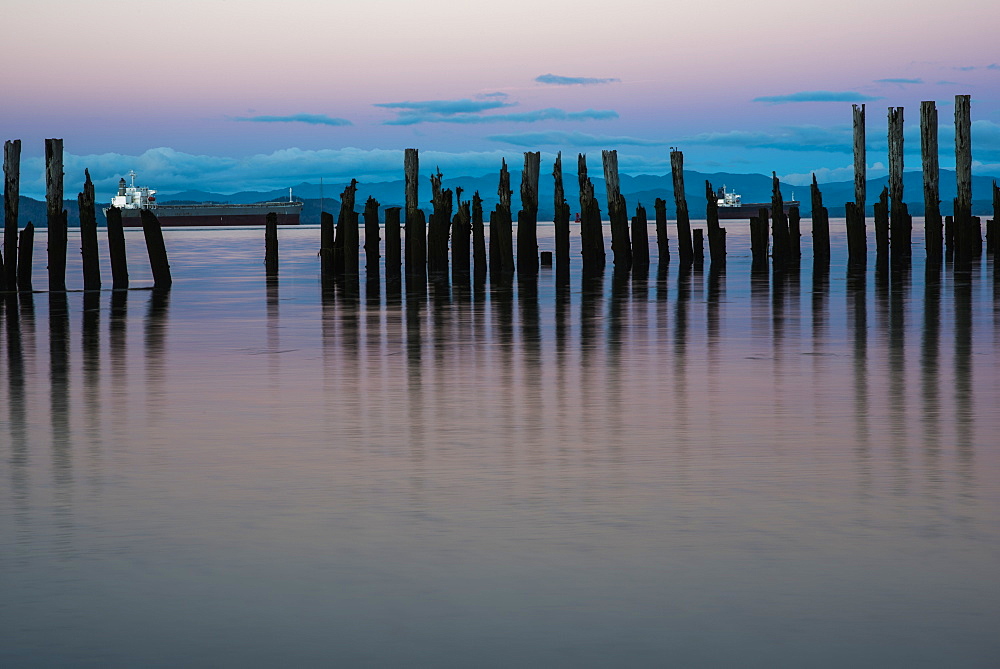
{"x":731,"y":205}
{"x":132,"y":199}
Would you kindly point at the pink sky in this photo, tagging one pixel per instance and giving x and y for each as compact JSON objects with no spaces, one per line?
{"x":221,"y":82}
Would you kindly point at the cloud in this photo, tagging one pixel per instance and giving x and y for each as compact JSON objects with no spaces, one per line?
{"x":551,"y":114}
{"x":557,"y":80}
{"x":446,"y":107}
{"x":312,"y":119}
{"x":899,"y":81}
{"x":817,"y":96}
{"x":972,"y":68}
{"x":837,"y":139}
{"x":574,"y":139}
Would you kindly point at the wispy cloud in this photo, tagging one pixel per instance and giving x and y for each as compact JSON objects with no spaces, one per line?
{"x":817,"y":96}
{"x":791,"y":138}
{"x":557,"y":80}
{"x":445,"y":107}
{"x":899,"y":81}
{"x":973,"y":68}
{"x":311,"y":119}
{"x":409,"y":117}
{"x":573,"y":139}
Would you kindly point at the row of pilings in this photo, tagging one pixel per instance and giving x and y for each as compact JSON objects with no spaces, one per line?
{"x":459,"y":225}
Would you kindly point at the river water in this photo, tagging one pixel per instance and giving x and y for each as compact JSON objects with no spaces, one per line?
{"x":701,"y":469}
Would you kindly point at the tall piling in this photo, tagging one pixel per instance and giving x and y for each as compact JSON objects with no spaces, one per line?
{"x":55,"y":214}
{"x":857,"y":244}
{"x":461,"y":234}
{"x":591,"y":235}
{"x":438,"y":226}
{"x":684,"y":245}
{"x":933,"y":224}
{"x":881,"y":217}
{"x":561,"y":218}
{"x":527,"y":217}
{"x":415,"y":242}
{"x":116,"y":249}
{"x":640,"y":240}
{"x":900,"y":224}
{"x":372,"y":238}
{"x":780,"y":254}
{"x":994,"y":245}
{"x":662,"y":240}
{"x":156,"y":249}
{"x":621,"y":246}
{"x":820,"y":224}
{"x":25,"y":248}
{"x":759,"y":239}
{"x":860,"y":158}
{"x":393,"y":238}
{"x":347,"y":245}
{"x":271,"y":244}
{"x":88,"y":235}
{"x":479,"y":257}
{"x":965,"y":235}
{"x":716,"y":234}
{"x":501,"y":229}
{"x":11,"y":197}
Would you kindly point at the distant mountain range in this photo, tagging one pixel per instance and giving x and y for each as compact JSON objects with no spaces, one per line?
{"x":643,"y":189}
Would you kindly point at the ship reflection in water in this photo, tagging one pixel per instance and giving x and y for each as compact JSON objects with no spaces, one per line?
{"x":696,"y":468}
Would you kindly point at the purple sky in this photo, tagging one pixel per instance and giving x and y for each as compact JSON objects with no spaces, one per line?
{"x":230,"y":95}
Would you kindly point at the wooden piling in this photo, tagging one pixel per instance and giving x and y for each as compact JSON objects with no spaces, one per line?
{"x":994,"y":245}
{"x":857,"y":244}
{"x":621,"y":246}
{"x":347,"y":244}
{"x":415,"y":243}
{"x":461,"y":232}
{"x":698,"y":246}
{"x":372,"y":237}
{"x":327,"y":245}
{"x":759,"y":239}
{"x":820,"y":224}
{"x":527,"y":217}
{"x":478,"y":239}
{"x":780,"y":254}
{"x":900,"y":224}
{"x":860,"y":164}
{"x":116,"y":249}
{"x":881,"y":215}
{"x":438,"y":226}
{"x":25,"y":248}
{"x":933,"y":226}
{"x":662,"y":240}
{"x":561,"y":217}
{"x":684,"y":244}
{"x":716,"y":234}
{"x":11,"y":197}
{"x":501,"y":229}
{"x":640,"y":239}
{"x":88,"y":235}
{"x":393,"y":264}
{"x":591,"y":235}
{"x":271,"y":244}
{"x":56,"y":215}
{"x":794,"y":234}
{"x":156,"y":249}
{"x":963,"y":155}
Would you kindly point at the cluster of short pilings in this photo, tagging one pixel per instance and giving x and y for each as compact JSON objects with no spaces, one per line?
{"x":18,"y":245}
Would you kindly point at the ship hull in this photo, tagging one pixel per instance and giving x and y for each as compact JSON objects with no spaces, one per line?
{"x":747,"y":211}
{"x":224,"y":215}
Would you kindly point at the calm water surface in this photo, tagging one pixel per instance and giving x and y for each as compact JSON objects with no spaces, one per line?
{"x":702,"y":469}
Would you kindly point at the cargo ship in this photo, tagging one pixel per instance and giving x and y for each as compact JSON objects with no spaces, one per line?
{"x":731,"y":205}
{"x":132,"y":199}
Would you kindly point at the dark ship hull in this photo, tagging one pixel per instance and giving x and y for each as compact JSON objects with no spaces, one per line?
{"x":747,"y":211}
{"x":237,"y":215}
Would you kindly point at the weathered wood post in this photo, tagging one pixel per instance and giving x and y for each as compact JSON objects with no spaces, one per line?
{"x":11,"y":197}
{"x":963,"y":176}
{"x":640,"y":240}
{"x":684,"y":246}
{"x":327,"y":246}
{"x":393,"y":264}
{"x":501,"y":230}
{"x":271,"y":244}
{"x":478,"y":239}
{"x":156,"y":249}
{"x":794,"y":234}
{"x":461,"y":232}
{"x":759,"y":239}
{"x":372,"y":238}
{"x":527,"y":216}
{"x":561,"y":218}
{"x":662,"y":240}
{"x":820,"y":224}
{"x":698,"y":246}
{"x":780,"y":254}
{"x":438,"y":226}
{"x":881,"y":215}
{"x":857,"y":243}
{"x":994,"y":238}
{"x":347,"y":244}
{"x":860,"y":158}
{"x":591,"y":234}
{"x":621,"y":246}
{"x":900,"y":223}
{"x":25,"y":246}
{"x":116,"y":249}
{"x":88,"y":235}
{"x":56,"y":215}
{"x":716,"y":234}
{"x":415,"y":242}
{"x":932,"y":199}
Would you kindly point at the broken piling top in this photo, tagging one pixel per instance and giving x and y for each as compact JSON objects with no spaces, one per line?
{"x":860,"y":173}
{"x":503,"y":190}
{"x":411,"y":169}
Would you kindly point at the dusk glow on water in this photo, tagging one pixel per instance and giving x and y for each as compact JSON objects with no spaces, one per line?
{"x":694,"y":468}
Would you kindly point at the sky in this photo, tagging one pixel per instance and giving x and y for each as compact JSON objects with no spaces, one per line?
{"x":231,"y":95}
